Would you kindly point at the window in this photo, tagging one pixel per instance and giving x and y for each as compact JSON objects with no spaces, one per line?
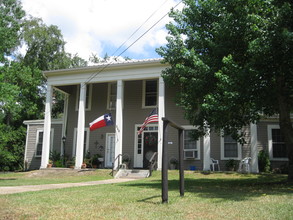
{"x":230,"y":148}
{"x":112,"y":94}
{"x":85,"y":142}
{"x":39,"y":142}
{"x":88,"y":99}
{"x":277,"y":147}
{"x":150,"y":93}
{"x":191,"y":146}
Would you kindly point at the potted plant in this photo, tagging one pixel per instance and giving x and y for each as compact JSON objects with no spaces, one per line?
{"x":95,"y":160}
{"x":83,"y":165}
{"x":231,"y":165}
{"x":70,"y":163}
{"x":126,"y":161}
{"x":173,"y":163}
{"x":50,"y":163}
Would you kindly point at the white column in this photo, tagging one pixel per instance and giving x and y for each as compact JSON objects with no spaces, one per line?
{"x":119,"y":120}
{"x":207,"y":151}
{"x":254,"y":149}
{"x":80,"y":127}
{"x":161,"y":114}
{"x":47,"y":128}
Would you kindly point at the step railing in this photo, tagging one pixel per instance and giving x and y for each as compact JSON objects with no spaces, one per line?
{"x":153,"y":162}
{"x":113,"y":163}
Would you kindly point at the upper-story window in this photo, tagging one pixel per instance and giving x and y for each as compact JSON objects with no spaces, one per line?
{"x":88,"y":103}
{"x":112,"y":95}
{"x":230,"y":148}
{"x":150,"y":93}
{"x":277,"y":147}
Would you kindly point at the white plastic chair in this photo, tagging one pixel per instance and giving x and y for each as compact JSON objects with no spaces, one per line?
{"x":244,"y":165}
{"x":214,"y":163}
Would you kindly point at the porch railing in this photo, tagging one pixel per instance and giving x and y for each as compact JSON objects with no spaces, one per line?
{"x":113,"y":163}
{"x":153,"y":162}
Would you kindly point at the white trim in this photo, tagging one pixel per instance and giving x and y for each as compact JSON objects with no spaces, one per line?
{"x":47,"y":128}
{"x":110,"y":84}
{"x":253,"y":148}
{"x":87,"y":101}
{"x":161,"y":114}
{"x":26,"y":146}
{"x":119,"y":120}
{"x":270,"y":143}
{"x":80,"y":127}
{"x":87,"y":130}
{"x":239,"y":149}
{"x":207,"y":151}
{"x":144,"y":93}
{"x":41,"y":122}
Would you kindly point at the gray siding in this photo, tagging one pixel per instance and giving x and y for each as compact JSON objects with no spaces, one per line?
{"x":34,"y":162}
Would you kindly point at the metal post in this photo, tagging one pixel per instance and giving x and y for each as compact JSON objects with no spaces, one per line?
{"x":181,"y":168}
{"x":165,"y":165}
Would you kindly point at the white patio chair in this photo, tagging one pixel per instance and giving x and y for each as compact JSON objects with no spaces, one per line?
{"x":244,"y":165}
{"x":214,"y":163}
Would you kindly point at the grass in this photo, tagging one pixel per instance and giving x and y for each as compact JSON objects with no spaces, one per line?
{"x":39,"y":177}
{"x":212,"y":196}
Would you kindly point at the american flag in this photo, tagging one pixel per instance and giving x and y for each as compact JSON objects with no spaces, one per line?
{"x":153,"y":117}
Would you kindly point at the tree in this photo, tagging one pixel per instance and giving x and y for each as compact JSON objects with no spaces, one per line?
{"x":11,"y":15}
{"x":44,"y":46}
{"x":22,"y":85}
{"x":233,"y":62}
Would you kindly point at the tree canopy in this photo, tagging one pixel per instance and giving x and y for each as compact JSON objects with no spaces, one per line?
{"x":233,"y":63}
{"x":22,"y":86}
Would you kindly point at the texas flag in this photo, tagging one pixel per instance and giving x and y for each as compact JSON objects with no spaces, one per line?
{"x":104,"y":120}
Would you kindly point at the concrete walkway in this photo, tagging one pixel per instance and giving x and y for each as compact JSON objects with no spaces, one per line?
{"x":20,"y":189}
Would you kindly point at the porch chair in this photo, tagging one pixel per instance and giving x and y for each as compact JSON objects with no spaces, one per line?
{"x":244,"y":165}
{"x":214,"y":163}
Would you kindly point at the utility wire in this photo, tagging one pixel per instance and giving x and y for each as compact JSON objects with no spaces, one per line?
{"x":95,"y":74}
{"x":108,"y":64}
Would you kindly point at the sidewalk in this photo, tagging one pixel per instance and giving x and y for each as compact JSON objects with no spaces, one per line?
{"x":29,"y":188}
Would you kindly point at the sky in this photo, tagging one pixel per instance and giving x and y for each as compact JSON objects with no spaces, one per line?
{"x":102,"y":26}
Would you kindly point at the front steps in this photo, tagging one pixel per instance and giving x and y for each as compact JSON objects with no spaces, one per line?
{"x":132,"y":174}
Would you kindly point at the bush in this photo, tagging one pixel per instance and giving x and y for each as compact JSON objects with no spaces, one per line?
{"x":231,"y":165}
{"x":264,"y":161}
{"x":58,"y":163}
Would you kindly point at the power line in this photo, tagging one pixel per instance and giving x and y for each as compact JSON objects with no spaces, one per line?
{"x":95,"y":74}
{"x":108,"y":64}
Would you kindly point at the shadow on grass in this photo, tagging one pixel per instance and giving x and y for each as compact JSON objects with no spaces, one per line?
{"x":150,"y":200}
{"x":233,"y":189}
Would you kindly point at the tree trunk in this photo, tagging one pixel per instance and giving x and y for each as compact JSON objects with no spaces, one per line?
{"x":286,"y":127}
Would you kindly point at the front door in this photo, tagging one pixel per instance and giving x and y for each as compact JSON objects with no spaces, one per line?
{"x":146,"y":145}
{"x":110,"y":150}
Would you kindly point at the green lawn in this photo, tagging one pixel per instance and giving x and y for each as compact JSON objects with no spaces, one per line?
{"x":39,"y":177}
{"x":212,"y":196}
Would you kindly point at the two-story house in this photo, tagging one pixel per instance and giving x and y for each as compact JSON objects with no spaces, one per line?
{"x":130,"y":90}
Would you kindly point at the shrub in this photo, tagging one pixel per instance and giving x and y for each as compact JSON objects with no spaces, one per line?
{"x":264,"y":161}
{"x":231,"y":165}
